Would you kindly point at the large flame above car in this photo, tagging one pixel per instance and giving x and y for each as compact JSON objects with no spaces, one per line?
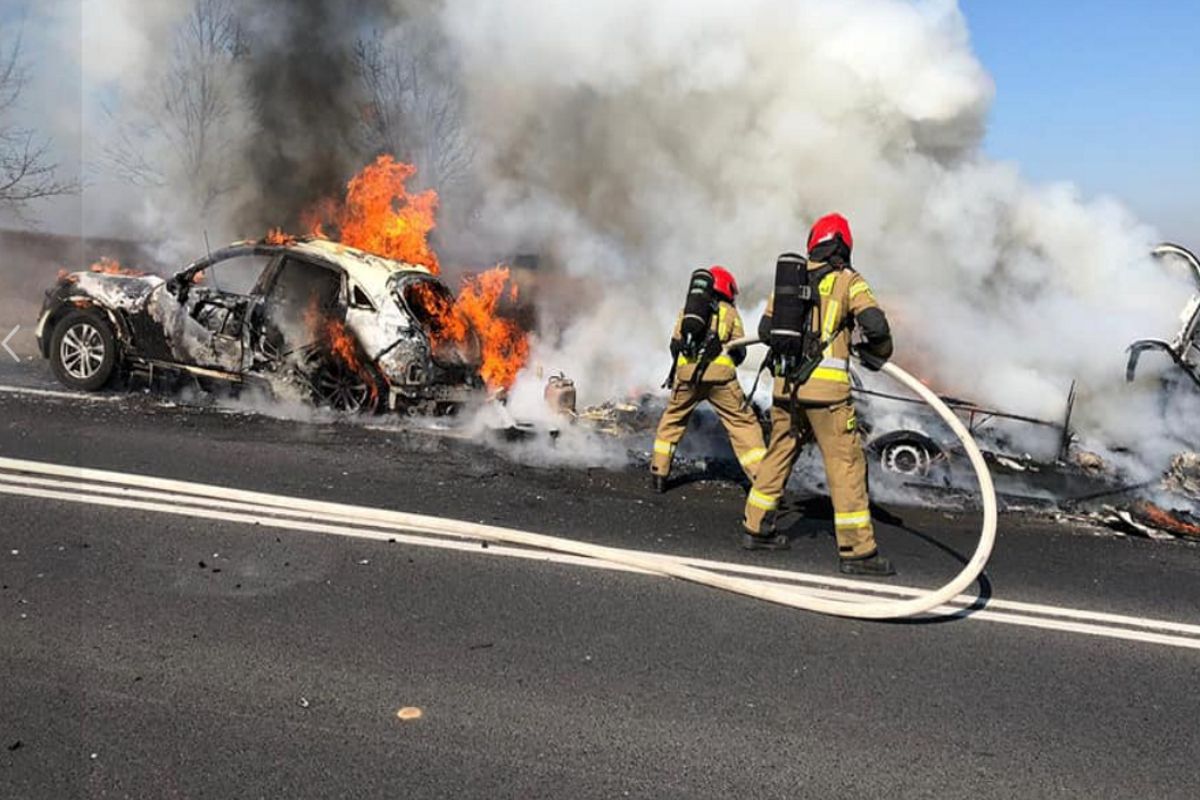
{"x":379,"y":215}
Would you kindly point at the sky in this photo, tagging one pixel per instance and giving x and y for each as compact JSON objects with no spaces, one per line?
{"x":1101,"y":93}
{"x":1104,"y":93}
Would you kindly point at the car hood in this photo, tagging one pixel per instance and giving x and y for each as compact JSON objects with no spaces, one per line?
{"x":125,"y":292}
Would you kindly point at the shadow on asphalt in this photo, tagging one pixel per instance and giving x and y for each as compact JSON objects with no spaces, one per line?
{"x":793,"y":514}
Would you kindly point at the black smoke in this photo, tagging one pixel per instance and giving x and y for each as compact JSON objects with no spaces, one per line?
{"x":305,"y":100}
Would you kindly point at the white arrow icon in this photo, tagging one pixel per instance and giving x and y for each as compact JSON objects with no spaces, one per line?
{"x":8,"y":349}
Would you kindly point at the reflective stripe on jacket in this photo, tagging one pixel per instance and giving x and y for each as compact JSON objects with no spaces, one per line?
{"x":727,"y":324}
{"x":842,"y":293}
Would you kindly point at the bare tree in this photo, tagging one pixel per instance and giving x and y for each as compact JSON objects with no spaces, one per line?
{"x":416,"y":109}
{"x":26,"y":170}
{"x":185,"y":127}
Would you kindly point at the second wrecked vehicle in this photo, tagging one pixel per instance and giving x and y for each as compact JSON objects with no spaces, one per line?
{"x":1184,"y":348}
{"x":348,"y":330}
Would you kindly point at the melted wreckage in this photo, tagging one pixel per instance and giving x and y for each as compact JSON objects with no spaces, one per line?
{"x":338,"y":326}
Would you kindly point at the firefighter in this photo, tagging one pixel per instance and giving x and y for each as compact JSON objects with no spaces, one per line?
{"x":808,"y":323}
{"x":703,"y":371}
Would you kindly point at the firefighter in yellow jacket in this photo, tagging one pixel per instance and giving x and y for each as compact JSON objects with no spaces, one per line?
{"x":809,"y":319}
{"x":703,"y":371}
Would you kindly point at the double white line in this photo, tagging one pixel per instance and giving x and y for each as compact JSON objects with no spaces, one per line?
{"x":149,"y":494}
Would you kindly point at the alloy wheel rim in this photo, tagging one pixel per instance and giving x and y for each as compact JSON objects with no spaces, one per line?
{"x":342,"y":390}
{"x":82,"y":351}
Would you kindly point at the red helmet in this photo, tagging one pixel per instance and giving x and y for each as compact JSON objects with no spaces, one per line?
{"x":827,"y":227}
{"x":723,"y":283}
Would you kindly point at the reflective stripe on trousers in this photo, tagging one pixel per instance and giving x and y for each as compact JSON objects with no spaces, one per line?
{"x":852,"y":519}
{"x":752,"y":457}
{"x":763,"y":501}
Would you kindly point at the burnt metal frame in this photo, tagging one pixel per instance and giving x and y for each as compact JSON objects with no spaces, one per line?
{"x":1177,"y":348}
{"x":978,"y":416}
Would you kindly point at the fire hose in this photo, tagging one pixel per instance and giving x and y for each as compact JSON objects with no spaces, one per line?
{"x":159,"y":494}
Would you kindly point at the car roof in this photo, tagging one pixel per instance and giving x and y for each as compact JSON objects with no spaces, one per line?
{"x":370,"y":271}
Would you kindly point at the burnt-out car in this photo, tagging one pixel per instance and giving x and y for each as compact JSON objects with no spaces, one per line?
{"x":348,"y":329}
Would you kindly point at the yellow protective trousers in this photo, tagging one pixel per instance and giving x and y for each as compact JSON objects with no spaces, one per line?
{"x":727,"y":399}
{"x":835,"y":429}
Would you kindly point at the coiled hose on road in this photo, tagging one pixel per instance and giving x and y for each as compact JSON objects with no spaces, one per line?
{"x":163,"y":494}
{"x":892,"y":609}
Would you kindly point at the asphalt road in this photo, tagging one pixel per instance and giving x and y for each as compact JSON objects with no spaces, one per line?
{"x":154,"y":654}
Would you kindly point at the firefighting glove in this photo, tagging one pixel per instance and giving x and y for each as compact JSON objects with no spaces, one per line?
{"x":676,"y":347}
{"x":712,"y":348}
{"x":869,"y":359}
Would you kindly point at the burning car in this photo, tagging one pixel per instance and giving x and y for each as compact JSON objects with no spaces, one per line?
{"x":1184,"y":349}
{"x":352,"y":331}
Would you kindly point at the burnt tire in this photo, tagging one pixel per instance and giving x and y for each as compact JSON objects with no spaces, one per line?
{"x":336,"y":386}
{"x":908,"y":454}
{"x":83,"y":350}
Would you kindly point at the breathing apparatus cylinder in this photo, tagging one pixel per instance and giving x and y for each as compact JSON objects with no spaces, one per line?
{"x":791,"y":318}
{"x":697,"y":313}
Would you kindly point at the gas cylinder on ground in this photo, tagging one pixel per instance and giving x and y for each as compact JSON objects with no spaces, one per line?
{"x":560,"y":395}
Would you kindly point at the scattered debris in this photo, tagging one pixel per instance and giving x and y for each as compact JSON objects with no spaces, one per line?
{"x":621,"y":418}
{"x":1089,"y":461}
{"x":1183,"y":476}
{"x":304,"y":702}
{"x":1122,"y":521}
{"x":409,"y":713}
{"x":17,"y":745}
{"x":1177,"y":522}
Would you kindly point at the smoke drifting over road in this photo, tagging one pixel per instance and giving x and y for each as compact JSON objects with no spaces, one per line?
{"x":637,"y":141}
{"x":631,"y":142}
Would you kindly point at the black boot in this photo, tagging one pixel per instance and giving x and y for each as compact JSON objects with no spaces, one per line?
{"x":771,"y":541}
{"x":660,"y":484}
{"x":873,"y":564}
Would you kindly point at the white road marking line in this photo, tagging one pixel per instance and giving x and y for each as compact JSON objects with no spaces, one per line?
{"x":66,"y":395}
{"x":8,"y":339}
{"x":181,"y":506}
{"x":280,"y":504}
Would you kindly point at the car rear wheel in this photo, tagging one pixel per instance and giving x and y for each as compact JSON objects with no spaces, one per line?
{"x":83,"y":350}
{"x":342,"y":389}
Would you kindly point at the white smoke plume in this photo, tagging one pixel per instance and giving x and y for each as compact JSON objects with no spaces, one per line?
{"x":635,"y":141}
{"x":631,"y":142}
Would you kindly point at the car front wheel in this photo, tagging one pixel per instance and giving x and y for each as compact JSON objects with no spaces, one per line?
{"x":83,"y":350}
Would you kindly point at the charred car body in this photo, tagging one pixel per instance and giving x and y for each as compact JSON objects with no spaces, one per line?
{"x":350,"y":330}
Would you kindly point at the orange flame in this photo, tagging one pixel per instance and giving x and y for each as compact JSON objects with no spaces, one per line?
{"x":276,"y":236}
{"x":1161,"y":518}
{"x":380,"y":216}
{"x":505,"y":346}
{"x":110,"y":266}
